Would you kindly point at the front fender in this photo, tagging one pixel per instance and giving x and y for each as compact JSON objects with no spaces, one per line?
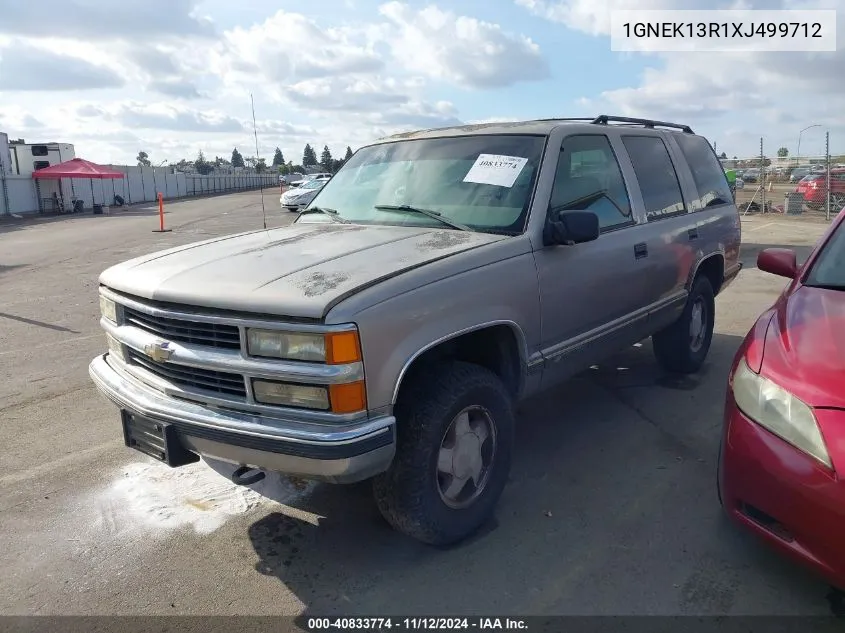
{"x":398,"y":330}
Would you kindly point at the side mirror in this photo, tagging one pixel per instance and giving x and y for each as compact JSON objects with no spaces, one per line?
{"x":778,"y":261}
{"x":571,"y":227}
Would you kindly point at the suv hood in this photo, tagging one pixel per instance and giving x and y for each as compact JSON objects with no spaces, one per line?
{"x":805,"y":346}
{"x":299,"y":271}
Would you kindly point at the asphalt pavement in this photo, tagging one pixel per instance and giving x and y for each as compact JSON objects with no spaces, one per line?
{"x":611,"y":507}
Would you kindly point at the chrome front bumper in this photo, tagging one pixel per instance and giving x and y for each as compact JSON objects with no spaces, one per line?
{"x":336,"y":453}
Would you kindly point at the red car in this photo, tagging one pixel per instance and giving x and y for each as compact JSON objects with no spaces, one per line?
{"x":781,"y":467}
{"x":813,"y":189}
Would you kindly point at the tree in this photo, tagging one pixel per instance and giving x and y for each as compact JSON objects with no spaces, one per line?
{"x":203,"y":166}
{"x":723,"y":156}
{"x":309,"y":156}
{"x":348,"y":154}
{"x":143,"y":159}
{"x":783,"y":152}
{"x":237,"y":159}
{"x":260,"y":166}
{"x":278,"y":158}
{"x":326,"y":158}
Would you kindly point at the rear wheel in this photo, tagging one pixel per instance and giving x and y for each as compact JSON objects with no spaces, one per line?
{"x":683,"y":346}
{"x":837,"y":201}
{"x":455,"y":429}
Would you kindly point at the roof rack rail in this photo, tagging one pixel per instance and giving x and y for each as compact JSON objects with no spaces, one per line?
{"x":604,"y":119}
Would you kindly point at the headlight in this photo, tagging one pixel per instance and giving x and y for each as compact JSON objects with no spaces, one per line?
{"x":333,"y":348}
{"x":284,"y":394}
{"x":777,"y":410}
{"x":343,"y":398}
{"x":108,"y":309}
{"x":116,"y":347}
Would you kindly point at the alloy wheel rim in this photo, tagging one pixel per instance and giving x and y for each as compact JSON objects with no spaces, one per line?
{"x":465,"y":458}
{"x":698,"y":325}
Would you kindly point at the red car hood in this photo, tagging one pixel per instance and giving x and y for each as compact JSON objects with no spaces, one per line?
{"x":805,"y":346}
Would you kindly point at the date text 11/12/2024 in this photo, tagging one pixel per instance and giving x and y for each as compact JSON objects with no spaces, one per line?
{"x":417,"y":624}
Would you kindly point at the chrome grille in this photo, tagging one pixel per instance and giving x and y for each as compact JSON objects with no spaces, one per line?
{"x":197,"y":332}
{"x":181,"y":375}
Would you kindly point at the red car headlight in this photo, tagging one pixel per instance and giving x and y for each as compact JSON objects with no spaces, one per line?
{"x":774,"y":408}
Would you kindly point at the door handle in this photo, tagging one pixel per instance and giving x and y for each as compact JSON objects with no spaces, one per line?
{"x":693,"y":234}
{"x":640,"y":250}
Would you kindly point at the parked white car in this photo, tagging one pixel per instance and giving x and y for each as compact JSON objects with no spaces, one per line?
{"x":322,"y":177}
{"x":298,"y":198}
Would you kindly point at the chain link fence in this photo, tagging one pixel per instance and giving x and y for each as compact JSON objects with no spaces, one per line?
{"x":776,"y":182}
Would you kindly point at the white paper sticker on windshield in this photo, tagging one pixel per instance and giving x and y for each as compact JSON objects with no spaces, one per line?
{"x":495,"y":169}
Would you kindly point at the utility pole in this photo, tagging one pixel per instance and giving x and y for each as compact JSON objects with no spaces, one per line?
{"x":762,"y":176}
{"x":827,"y":170}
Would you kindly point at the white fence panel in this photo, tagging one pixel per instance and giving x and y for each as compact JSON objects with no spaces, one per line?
{"x":150,"y":192}
{"x":136,"y":187}
{"x":21,"y":191}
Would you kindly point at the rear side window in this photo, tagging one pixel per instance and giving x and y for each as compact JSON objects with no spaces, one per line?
{"x":707,"y":173}
{"x":656,"y":174}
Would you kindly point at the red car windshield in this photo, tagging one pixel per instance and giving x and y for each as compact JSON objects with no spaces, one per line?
{"x":829,"y":269}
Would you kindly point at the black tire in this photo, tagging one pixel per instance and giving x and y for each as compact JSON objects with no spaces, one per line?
{"x":408,"y":494}
{"x":673,"y":346}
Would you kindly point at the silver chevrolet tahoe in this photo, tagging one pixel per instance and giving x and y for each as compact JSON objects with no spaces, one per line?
{"x":437,"y":279}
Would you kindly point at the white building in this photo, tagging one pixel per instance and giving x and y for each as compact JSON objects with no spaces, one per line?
{"x":5,"y":155}
{"x":27,"y":157}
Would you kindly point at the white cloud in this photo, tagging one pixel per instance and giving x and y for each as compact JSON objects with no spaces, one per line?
{"x":102,"y":20}
{"x":593,"y":17}
{"x":290,"y":47}
{"x":733,"y":97}
{"x":29,"y":68}
{"x":459,"y":49}
{"x":170,"y":81}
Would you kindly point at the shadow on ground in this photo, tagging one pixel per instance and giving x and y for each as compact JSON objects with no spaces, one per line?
{"x":594,"y":458}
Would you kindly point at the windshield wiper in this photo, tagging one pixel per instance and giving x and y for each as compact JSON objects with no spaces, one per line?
{"x":332,"y":213}
{"x":426,"y":212}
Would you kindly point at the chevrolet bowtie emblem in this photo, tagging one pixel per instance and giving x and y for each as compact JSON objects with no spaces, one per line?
{"x":159,"y":351}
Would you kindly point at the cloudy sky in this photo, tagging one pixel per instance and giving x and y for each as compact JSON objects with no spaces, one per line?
{"x":171,"y":77}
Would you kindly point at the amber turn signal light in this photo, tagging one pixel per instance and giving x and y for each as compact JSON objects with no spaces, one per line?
{"x":342,"y":347}
{"x":350,"y":397}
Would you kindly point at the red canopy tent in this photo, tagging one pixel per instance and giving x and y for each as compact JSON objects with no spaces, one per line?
{"x":78,"y":168}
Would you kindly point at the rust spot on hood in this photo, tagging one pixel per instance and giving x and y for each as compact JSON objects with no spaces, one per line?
{"x":318,"y":283}
{"x":444,"y":239}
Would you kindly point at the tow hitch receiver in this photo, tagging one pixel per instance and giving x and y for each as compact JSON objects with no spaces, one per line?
{"x":242,"y":478}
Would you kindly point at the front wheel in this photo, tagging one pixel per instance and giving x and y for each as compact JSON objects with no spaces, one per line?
{"x":455,"y":427}
{"x":683,"y":346}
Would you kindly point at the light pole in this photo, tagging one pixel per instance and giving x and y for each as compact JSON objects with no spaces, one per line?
{"x":798,"y":153}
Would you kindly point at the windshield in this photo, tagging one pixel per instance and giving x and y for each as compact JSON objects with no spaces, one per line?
{"x":312,"y":184}
{"x":482,"y":182}
{"x":829,"y":269}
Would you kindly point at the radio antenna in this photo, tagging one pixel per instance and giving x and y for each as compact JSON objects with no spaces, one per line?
{"x":261,"y":184}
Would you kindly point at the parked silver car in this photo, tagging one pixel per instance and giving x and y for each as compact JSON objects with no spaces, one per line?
{"x":389,"y":332}
{"x":298,"y":198}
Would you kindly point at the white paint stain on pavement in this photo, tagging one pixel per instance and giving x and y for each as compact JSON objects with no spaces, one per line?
{"x":196,"y":496}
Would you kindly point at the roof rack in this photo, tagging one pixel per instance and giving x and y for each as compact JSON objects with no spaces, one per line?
{"x":604,"y":119}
